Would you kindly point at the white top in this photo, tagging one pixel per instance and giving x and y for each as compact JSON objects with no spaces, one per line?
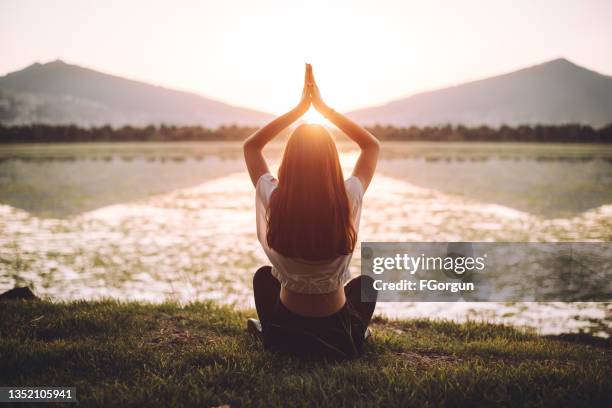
{"x":297,"y":274}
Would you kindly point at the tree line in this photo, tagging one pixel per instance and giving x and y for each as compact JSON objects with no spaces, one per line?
{"x":39,"y":133}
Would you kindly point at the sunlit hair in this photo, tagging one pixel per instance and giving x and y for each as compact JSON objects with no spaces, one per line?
{"x":309,"y":216}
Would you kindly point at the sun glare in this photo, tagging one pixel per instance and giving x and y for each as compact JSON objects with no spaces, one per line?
{"x":313,"y":116}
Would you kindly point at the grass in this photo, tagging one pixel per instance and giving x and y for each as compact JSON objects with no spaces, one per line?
{"x":135,"y":354}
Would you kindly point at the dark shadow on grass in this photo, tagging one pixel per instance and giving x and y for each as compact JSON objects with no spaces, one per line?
{"x":583,"y":338}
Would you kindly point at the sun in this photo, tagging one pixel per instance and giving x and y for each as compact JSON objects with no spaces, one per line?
{"x":313,"y":116}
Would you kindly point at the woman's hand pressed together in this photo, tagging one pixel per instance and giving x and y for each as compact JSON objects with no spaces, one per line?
{"x":315,"y":95}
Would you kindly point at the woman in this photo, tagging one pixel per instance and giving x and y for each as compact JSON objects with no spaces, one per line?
{"x":307,"y":223}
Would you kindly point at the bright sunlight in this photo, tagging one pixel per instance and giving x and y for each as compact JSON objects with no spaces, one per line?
{"x":313,"y":116}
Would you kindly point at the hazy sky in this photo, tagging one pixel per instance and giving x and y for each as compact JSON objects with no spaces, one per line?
{"x":251,"y":53}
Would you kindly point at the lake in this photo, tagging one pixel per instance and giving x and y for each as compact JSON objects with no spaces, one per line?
{"x":175,"y":221}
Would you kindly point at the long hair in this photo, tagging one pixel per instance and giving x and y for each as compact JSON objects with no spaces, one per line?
{"x":309,"y":216}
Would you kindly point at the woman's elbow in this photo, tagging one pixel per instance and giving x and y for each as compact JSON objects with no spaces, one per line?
{"x":373,"y":145}
{"x":249,"y":145}
{"x":377,"y":143}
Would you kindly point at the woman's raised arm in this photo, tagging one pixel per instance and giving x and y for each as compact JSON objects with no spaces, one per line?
{"x":253,"y":146}
{"x":370,"y":146}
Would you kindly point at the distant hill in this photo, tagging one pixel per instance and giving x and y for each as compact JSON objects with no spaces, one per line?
{"x":553,"y":93}
{"x":60,"y":93}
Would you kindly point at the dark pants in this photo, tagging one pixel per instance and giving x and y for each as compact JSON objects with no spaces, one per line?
{"x":355,"y":313}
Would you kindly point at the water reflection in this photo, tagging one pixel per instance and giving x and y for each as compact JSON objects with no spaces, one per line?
{"x":199,"y":243}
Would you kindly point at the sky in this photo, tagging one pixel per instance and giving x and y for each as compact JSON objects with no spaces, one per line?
{"x":252,"y":53}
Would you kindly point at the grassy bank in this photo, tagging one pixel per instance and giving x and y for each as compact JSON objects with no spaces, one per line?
{"x":142,"y":354}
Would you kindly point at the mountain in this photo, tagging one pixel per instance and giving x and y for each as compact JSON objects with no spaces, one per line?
{"x":553,"y":93}
{"x":60,"y":93}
